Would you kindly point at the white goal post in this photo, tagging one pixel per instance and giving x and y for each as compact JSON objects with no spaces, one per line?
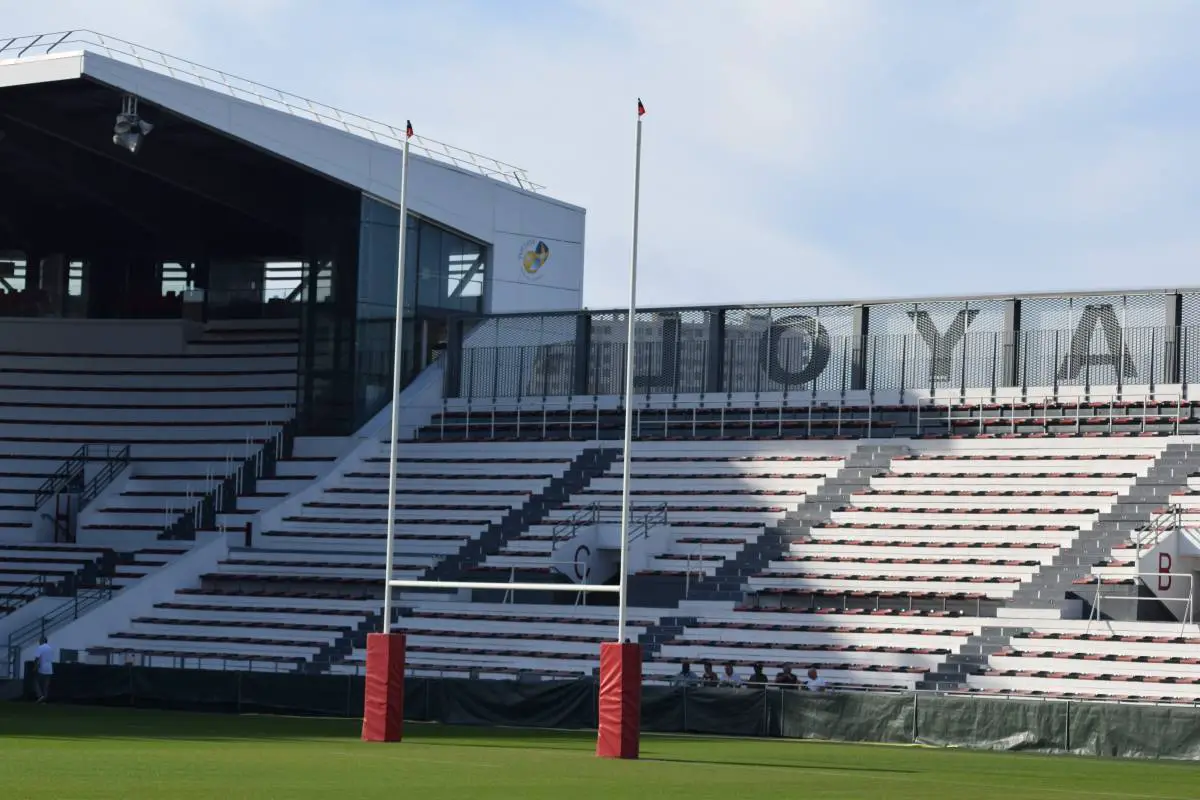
{"x":619,"y":589}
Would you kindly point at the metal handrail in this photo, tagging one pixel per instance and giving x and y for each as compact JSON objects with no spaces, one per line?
{"x":1170,"y":519}
{"x":565,"y":530}
{"x":67,"y":472}
{"x":1095,"y":614}
{"x":268,"y":97}
{"x":30,"y":590}
{"x":84,"y":600}
{"x":947,"y":411}
{"x":656,"y":516}
{"x":73,"y":468}
{"x":114,"y":464}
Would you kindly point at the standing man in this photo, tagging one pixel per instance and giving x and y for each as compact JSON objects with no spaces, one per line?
{"x":44,"y":658}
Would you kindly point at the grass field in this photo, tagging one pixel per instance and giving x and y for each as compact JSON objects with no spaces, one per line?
{"x":63,"y":753}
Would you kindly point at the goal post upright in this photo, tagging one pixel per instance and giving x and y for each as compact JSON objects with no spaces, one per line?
{"x":383,"y":698}
{"x":620,"y":697}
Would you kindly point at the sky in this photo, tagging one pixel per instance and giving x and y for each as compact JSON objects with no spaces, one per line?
{"x":794,"y":150}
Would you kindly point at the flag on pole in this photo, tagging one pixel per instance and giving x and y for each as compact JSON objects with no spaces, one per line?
{"x":641,"y":108}
{"x":408,"y":132}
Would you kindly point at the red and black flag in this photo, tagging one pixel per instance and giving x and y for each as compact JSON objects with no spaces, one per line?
{"x":641,"y":108}
{"x":408,"y":131}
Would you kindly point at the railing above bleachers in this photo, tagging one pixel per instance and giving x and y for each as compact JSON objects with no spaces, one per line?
{"x":243,"y":89}
{"x":1135,"y":342}
{"x":779,"y":415}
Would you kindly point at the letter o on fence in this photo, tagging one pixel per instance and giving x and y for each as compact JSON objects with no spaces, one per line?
{"x":768,"y":350}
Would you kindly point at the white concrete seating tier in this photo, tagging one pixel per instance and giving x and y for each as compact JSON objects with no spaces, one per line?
{"x":207,"y":629}
{"x":145,"y":562}
{"x":184,"y":417}
{"x":447,"y":494}
{"x":853,"y":648}
{"x":966,"y":520}
{"x":499,"y":640}
{"x":25,"y":564}
{"x":292,"y":567}
{"x":1151,"y":661}
{"x":718,"y":496}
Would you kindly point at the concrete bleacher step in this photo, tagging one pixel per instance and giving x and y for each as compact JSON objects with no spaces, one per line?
{"x":971,"y":659}
{"x":1050,"y":587}
{"x":861,"y":465}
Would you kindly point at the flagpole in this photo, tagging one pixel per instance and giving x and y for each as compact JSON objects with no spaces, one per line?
{"x":397,"y":362}
{"x":629,"y":365}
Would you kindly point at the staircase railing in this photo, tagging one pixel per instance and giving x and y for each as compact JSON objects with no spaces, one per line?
{"x":241,"y":477}
{"x":19,"y":596}
{"x":565,"y":530}
{"x":83,"y":601}
{"x":67,"y":472}
{"x":114,"y":457}
{"x":1145,"y":538}
{"x":644,"y":524}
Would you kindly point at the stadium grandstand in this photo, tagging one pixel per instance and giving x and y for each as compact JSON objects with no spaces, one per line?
{"x":983,"y":495}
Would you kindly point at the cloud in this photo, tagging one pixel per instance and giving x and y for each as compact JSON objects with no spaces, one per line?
{"x":816,"y":148}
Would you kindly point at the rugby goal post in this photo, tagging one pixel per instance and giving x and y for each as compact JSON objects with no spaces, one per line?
{"x":619,"y":711}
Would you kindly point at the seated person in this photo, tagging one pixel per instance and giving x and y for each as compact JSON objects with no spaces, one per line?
{"x":730,"y":679}
{"x":708,"y":677}
{"x":758,"y":677}
{"x":814,"y":682}
{"x":685,"y":677}
{"x":786,"y":677}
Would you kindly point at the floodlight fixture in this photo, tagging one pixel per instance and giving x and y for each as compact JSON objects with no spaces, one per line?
{"x":130,"y":130}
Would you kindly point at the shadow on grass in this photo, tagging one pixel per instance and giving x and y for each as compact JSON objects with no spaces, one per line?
{"x":79,"y":722}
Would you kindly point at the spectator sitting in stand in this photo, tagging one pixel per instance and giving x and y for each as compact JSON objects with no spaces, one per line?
{"x":709,"y":678}
{"x":685,"y":677}
{"x":758,"y":677}
{"x":730,"y":678}
{"x":786,"y":677}
{"x":815,"y":683}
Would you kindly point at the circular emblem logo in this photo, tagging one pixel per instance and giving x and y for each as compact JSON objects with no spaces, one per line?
{"x":533,"y":257}
{"x":582,"y":554}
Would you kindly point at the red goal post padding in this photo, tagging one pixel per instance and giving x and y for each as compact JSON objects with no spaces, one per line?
{"x":383,"y":699}
{"x":620,"y":710}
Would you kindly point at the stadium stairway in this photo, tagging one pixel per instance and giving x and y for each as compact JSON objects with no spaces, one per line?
{"x":728,"y":583}
{"x":1064,"y":579}
{"x":585,"y":465}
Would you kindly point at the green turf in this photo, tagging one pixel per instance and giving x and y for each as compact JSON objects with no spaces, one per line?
{"x":63,"y":753}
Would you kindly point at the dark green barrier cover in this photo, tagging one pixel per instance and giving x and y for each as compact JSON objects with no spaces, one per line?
{"x":565,"y":704}
{"x":725,"y":712}
{"x":198,"y":690}
{"x":662,"y":709}
{"x":292,"y":693}
{"x":847,"y":717}
{"x":1127,"y":731}
{"x":976,"y":722}
{"x":992,"y":724}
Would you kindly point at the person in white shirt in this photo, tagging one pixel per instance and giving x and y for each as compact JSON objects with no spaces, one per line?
{"x":44,"y":658}
{"x":815,"y":683}
{"x":730,"y":678}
